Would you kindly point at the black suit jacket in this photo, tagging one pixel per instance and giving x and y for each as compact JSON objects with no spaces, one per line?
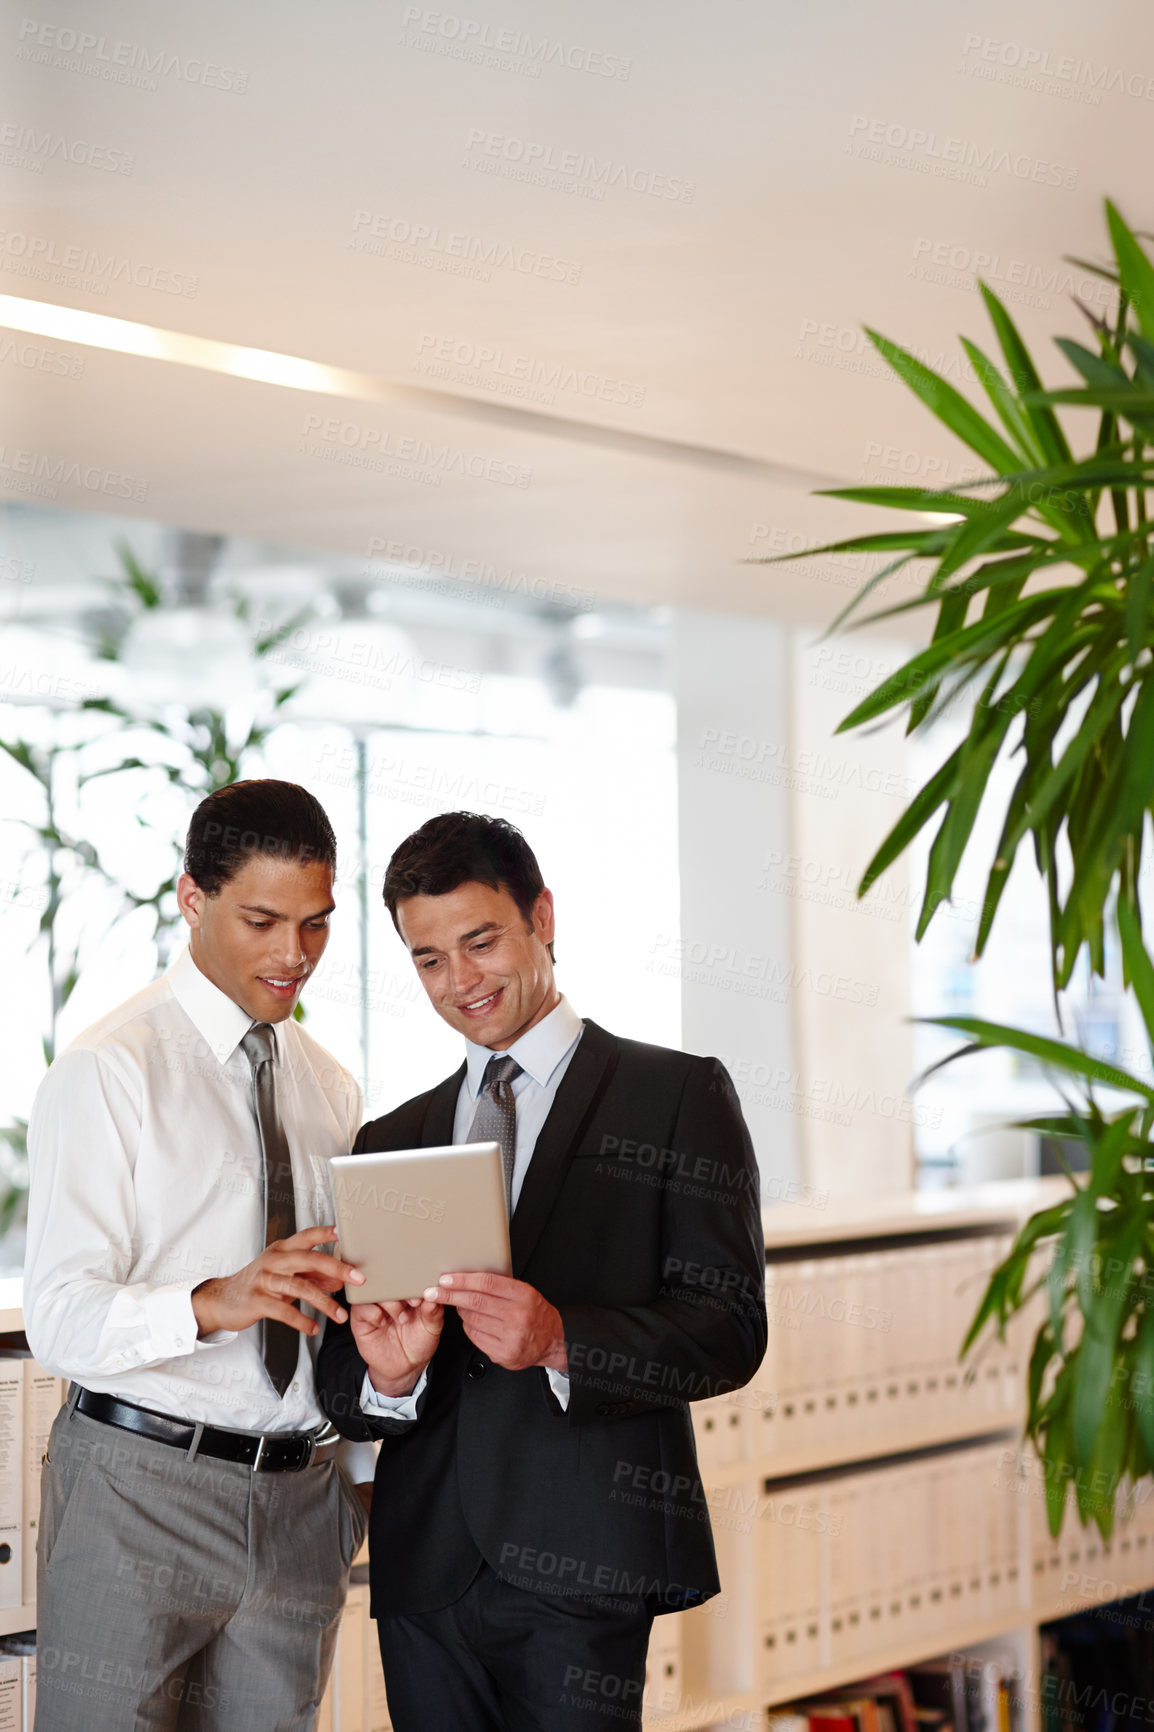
{"x":639,"y":1219}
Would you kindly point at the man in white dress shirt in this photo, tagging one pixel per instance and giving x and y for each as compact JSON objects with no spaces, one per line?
{"x":196,"y":1532}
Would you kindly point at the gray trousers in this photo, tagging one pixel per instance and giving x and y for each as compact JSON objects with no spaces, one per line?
{"x":185,"y":1596}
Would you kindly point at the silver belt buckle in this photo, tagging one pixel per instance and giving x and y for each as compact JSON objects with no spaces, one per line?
{"x":259,"y":1453}
{"x":327,"y":1437}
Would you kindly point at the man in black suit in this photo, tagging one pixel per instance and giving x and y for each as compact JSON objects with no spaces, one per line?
{"x":537,"y":1498}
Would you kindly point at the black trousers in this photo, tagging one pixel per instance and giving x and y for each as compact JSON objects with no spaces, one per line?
{"x":502,"y":1660}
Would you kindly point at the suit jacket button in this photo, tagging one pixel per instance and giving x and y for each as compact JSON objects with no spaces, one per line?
{"x":476,"y":1368}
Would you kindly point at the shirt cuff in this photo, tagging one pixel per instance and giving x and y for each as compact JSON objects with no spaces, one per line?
{"x":396,"y":1406}
{"x":168,"y":1320}
{"x":559,"y":1384}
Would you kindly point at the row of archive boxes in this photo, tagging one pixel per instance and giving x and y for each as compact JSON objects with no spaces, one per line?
{"x":1078,"y":1568}
{"x":870,"y":1341}
{"x":30,"y":1399}
{"x":859,"y":1561}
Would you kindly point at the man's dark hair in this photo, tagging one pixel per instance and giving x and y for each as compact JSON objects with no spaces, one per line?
{"x":258,"y":817}
{"x":458,"y":848}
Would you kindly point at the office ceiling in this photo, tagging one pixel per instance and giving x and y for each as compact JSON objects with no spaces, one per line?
{"x":604,"y":265}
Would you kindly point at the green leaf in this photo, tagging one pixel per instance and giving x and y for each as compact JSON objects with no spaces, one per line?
{"x":992,"y":1304}
{"x":979,"y":751}
{"x":1056,"y":1458}
{"x":999,"y":874}
{"x":1089,"y":265}
{"x":1139,"y":970}
{"x":1118,"y":809}
{"x":1006,"y":406}
{"x":1051,"y":1052}
{"x":917,"y":814}
{"x":1142,"y":1386}
{"x":1047,"y":430}
{"x":951,"y":619}
{"x":920,"y":499}
{"x":1143,"y":353}
{"x":1103,"y":1309}
{"x":141,"y":583}
{"x":1041,"y":1357}
{"x":1103,"y":375}
{"x":1133,"y":402}
{"x":1091,"y":1386}
{"x":950,"y":407}
{"x":1138,"y":607}
{"x":982,"y":637}
{"x":1135,"y":272}
{"x":1107,"y":1153}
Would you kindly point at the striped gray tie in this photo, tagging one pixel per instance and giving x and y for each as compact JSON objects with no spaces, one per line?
{"x":495,"y":1120}
{"x":280,"y":1345}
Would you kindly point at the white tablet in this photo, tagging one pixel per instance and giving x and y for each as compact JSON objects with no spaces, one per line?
{"x":407,"y":1217}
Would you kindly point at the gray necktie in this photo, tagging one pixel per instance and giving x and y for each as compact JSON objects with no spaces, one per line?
{"x":495,"y":1120}
{"x":280,"y":1345}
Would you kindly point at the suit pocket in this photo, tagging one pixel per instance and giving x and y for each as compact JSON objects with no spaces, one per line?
{"x":60,"y":1499}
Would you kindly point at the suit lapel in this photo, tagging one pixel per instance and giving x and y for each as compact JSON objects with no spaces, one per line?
{"x":578,"y":1097}
{"x":437,"y":1129}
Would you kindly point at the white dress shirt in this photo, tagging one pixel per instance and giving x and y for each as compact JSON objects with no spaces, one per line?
{"x":544,"y":1054}
{"x":147,"y":1178}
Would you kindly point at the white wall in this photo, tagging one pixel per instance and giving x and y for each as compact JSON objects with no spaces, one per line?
{"x":851,"y":1001}
{"x":801,"y":989}
{"x":735,"y":949}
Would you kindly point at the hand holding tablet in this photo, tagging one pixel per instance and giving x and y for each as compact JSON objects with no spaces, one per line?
{"x":407,"y":1216}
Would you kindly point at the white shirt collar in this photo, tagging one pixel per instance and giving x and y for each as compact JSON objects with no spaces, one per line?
{"x":221,"y":1022}
{"x":539,"y":1051}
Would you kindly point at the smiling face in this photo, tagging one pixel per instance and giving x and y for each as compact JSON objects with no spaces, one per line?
{"x":486,"y":969}
{"x":260,"y":937}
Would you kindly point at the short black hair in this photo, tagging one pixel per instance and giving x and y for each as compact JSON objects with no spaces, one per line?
{"x":256,"y":817}
{"x":458,"y":848}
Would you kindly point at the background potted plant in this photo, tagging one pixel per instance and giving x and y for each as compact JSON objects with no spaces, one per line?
{"x":189,"y":748}
{"x":1042,"y":575}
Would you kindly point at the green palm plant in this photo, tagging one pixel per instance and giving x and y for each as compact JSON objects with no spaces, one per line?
{"x":1042,"y":577}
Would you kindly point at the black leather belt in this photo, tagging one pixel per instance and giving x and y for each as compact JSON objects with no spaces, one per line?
{"x":272,"y":1452}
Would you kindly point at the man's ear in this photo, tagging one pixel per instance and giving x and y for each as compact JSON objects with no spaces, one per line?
{"x":191,"y":899}
{"x":543,"y":918}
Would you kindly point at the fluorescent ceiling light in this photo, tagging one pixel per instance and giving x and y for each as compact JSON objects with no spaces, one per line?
{"x":125,"y":337}
{"x":97,"y":330}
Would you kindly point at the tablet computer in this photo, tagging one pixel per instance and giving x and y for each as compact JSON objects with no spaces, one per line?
{"x":409,"y":1216}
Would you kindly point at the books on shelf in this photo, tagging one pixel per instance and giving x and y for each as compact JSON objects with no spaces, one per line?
{"x":962,"y":1693}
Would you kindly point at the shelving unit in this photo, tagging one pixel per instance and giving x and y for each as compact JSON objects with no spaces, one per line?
{"x":724,"y":1675}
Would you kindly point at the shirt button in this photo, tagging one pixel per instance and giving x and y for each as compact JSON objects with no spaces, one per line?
{"x":296,"y":1388}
